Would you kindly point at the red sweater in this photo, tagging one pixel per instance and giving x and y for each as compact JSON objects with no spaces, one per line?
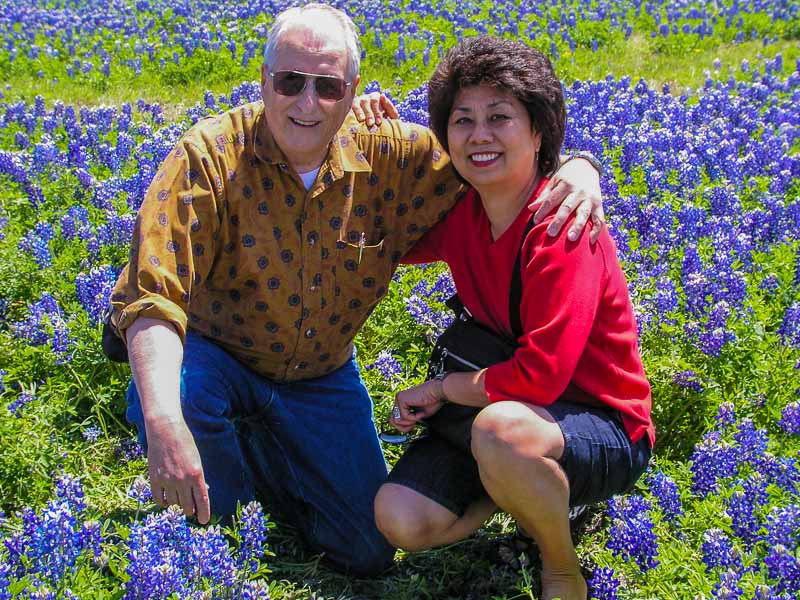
{"x":578,"y":322}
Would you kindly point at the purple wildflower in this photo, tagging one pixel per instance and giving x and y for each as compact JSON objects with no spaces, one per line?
{"x":726,"y":415}
{"x":790,"y":327}
{"x":603,"y":584}
{"x":632,"y":535}
{"x":790,"y":418}
{"x":91,"y":433}
{"x":718,"y":551}
{"x":666,"y":493}
{"x":15,"y":407}
{"x":712,"y":460}
{"x":728,"y":587}
{"x":752,"y":442}
{"x":252,"y":535}
{"x":140,"y":491}
{"x":128,"y":450}
{"x":387,"y":365}
{"x":687,"y":379}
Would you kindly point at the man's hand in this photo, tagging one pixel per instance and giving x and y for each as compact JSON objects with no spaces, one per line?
{"x":413,"y":404}
{"x":575,"y":187}
{"x":176,"y":472}
{"x":372,"y":108}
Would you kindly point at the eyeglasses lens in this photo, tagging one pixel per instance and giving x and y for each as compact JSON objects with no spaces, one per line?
{"x":292,"y":83}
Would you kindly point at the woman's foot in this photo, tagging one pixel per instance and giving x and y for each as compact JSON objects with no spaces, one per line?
{"x":563,"y":585}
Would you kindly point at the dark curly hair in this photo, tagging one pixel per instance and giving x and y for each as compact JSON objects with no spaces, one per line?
{"x":508,"y":65}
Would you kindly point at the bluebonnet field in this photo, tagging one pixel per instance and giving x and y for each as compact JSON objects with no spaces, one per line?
{"x":699,"y":125}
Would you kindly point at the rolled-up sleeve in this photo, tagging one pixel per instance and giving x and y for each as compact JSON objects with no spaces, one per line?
{"x":173,"y":244}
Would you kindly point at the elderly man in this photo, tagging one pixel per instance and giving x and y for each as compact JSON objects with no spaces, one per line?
{"x":266,"y":239}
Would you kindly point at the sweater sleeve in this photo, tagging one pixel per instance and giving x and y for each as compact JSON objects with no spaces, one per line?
{"x":562,"y":285}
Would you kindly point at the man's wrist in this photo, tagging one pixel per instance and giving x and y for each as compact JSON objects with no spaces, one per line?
{"x":587,"y":156}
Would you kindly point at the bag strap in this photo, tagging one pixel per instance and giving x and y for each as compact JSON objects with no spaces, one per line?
{"x":515,"y":295}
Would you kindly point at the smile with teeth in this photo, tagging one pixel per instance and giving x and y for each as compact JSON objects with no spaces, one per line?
{"x":484,"y":157}
{"x":302,"y":123}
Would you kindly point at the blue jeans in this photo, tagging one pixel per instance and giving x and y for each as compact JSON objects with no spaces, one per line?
{"x":308,"y":449}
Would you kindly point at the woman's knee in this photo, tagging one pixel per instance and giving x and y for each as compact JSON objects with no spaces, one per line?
{"x":514,"y":430}
{"x":408,"y":519}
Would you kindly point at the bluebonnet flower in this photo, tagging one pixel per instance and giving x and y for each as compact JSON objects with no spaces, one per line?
{"x":253,"y":536}
{"x":752,"y":442}
{"x":728,"y":587}
{"x":94,"y":290}
{"x":91,"y":433}
{"x":424,"y":315}
{"x":726,"y":415}
{"x":718,"y":551}
{"x":128,"y":450}
{"x":3,"y":373}
{"x":74,"y":221}
{"x":790,"y":326}
{"x":3,"y":223}
{"x":45,"y":317}
{"x":140,"y":491}
{"x":782,"y":471}
{"x":255,"y":590}
{"x":632,"y":535}
{"x":37,"y":243}
{"x":745,"y":506}
{"x":69,"y":489}
{"x":783,"y":526}
{"x":783,"y":567}
{"x":770,"y":283}
{"x":387,"y":365}
{"x":167,"y":557}
{"x":687,"y":379}
{"x":5,"y":580}
{"x":712,"y":459}
{"x":15,"y":407}
{"x":603,"y":585}
{"x":51,"y":542}
{"x":665,"y":490}
{"x":790,"y":418}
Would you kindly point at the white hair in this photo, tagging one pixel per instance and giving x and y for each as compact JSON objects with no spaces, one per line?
{"x":298,"y":15}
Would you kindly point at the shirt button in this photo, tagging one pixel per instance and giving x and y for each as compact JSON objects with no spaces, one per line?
{"x":296,"y":367}
{"x":313,"y":288}
{"x":311,"y":242}
{"x":309,"y":333}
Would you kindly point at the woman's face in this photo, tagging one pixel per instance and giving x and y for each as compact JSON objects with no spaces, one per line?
{"x":491,"y":139}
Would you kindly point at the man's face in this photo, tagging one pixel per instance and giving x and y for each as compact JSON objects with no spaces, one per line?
{"x":304,"y":125}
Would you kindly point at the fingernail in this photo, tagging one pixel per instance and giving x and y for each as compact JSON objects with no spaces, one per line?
{"x":572,"y":235}
{"x":370,"y":122}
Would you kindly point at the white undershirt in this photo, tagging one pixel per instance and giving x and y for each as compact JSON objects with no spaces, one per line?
{"x":309,"y":177}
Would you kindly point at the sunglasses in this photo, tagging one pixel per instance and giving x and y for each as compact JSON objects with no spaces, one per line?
{"x":292,"y":83}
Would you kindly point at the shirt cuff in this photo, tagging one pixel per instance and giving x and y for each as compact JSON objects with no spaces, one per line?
{"x":151,"y":306}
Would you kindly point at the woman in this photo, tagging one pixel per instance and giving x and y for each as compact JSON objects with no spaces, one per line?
{"x":566,"y":421}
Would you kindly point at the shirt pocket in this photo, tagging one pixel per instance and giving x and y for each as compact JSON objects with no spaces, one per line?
{"x":361,"y":277}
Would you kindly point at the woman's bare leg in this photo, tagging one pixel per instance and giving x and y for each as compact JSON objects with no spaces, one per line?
{"x":414,"y":522}
{"x":517,"y":447}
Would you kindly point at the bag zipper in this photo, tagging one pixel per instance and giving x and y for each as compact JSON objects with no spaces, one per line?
{"x":457,"y":358}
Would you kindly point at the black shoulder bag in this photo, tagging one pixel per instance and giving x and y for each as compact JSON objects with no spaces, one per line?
{"x":466,"y":345}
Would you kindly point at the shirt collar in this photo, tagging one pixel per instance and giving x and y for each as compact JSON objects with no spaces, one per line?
{"x":344,"y":153}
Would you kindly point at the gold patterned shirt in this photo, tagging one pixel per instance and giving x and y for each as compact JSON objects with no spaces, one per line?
{"x":229,"y":244}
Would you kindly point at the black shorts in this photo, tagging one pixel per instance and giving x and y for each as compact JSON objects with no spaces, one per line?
{"x":599,"y":460}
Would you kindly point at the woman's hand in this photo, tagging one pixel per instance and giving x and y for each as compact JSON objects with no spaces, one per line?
{"x":413,"y":404}
{"x":575,"y":187}
{"x":372,"y":108}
